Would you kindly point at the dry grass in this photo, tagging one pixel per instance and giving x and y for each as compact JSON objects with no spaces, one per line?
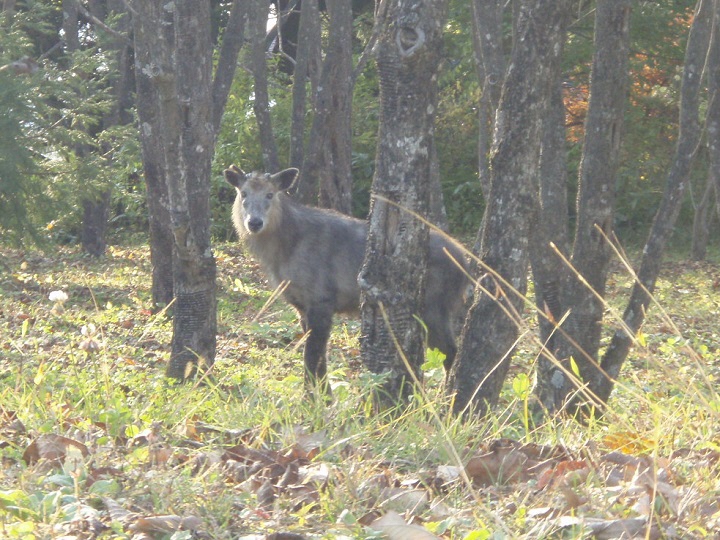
{"x":96,"y":442}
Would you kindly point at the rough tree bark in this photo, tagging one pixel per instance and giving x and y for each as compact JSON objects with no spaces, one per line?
{"x":189,"y":103}
{"x":176,"y":41}
{"x":490,"y":66}
{"x":179,"y":111}
{"x":713,"y":114}
{"x":306,"y":69}
{"x":328,"y":162}
{"x":491,"y":327}
{"x":257,"y":30}
{"x":601,"y":381}
{"x":704,"y":212}
{"x":579,"y":336}
{"x":393,"y":274}
{"x":550,"y":231}
{"x":153,"y":153}
{"x":174,"y":59}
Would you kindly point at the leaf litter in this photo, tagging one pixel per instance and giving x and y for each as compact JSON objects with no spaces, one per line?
{"x":559,"y":486}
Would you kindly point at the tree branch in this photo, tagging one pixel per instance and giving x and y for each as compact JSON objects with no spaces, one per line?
{"x":100,"y":24}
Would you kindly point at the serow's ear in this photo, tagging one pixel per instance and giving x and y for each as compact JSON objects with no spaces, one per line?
{"x":234,"y":175}
{"x":284,"y":180}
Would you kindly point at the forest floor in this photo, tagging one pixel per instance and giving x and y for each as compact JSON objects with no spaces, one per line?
{"x":96,"y":442}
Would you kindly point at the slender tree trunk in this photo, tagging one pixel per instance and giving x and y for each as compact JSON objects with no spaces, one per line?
{"x":176,"y":66}
{"x":94,"y":225}
{"x":70,"y":26}
{"x":392,"y":277}
{"x":153,"y":151}
{"x":96,"y":209}
{"x":328,"y":161}
{"x":306,"y":68}
{"x":335,"y":95}
{"x":95,"y":205}
{"x":179,"y":110}
{"x":701,"y":222}
{"x":602,"y":382}
{"x":8,"y":8}
{"x":596,"y":206}
{"x":258,"y":15}
{"x":437,"y":214}
{"x":712,"y":124}
{"x":551,"y":232}
{"x":490,"y":64}
{"x":491,"y":328}
{"x":233,"y":38}
{"x":188,"y":105}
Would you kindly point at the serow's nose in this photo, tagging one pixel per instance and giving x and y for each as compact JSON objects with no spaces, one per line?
{"x":254,"y":224}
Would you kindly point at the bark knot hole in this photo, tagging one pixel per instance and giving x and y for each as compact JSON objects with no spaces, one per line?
{"x":409,"y":40}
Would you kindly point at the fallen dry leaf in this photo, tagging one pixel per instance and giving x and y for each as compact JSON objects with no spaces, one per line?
{"x":562,"y":474}
{"x":411,"y":501}
{"x":611,"y":529}
{"x":169,"y":523}
{"x":395,"y":528}
{"x":266,"y":495}
{"x":52,"y":448}
{"x":500,"y":466}
{"x":118,"y":512}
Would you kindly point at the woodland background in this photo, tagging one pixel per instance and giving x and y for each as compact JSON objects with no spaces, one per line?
{"x":78,"y":137}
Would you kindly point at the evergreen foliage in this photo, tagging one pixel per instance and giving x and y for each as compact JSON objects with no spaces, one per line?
{"x":54,"y":150}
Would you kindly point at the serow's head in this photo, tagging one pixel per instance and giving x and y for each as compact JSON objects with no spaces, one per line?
{"x":257,"y":196}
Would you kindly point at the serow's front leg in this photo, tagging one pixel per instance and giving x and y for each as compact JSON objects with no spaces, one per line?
{"x":318,"y":322}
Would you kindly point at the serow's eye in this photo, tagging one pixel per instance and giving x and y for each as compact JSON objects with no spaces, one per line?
{"x":243,"y":194}
{"x":269,"y":195}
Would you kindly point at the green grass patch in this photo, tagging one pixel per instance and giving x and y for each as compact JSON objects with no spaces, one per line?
{"x":96,"y":442}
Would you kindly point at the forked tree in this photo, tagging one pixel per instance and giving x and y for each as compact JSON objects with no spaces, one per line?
{"x":178,"y":107}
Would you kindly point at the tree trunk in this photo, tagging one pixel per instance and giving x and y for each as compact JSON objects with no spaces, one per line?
{"x":392,"y":277}
{"x":437,"y":214}
{"x":153,"y":151}
{"x":701,"y":222}
{"x":329,"y":160}
{"x":551,"y":232}
{"x":188,"y":181}
{"x":258,"y":15}
{"x":8,"y":8}
{"x":491,"y":327}
{"x":712,"y":123}
{"x":602,"y":382}
{"x":490,"y":64}
{"x":595,"y":209}
{"x":95,"y":206}
{"x":306,"y":68}
{"x":94,"y":225}
{"x":233,"y":38}
{"x":96,"y":209}
{"x":176,"y":63}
